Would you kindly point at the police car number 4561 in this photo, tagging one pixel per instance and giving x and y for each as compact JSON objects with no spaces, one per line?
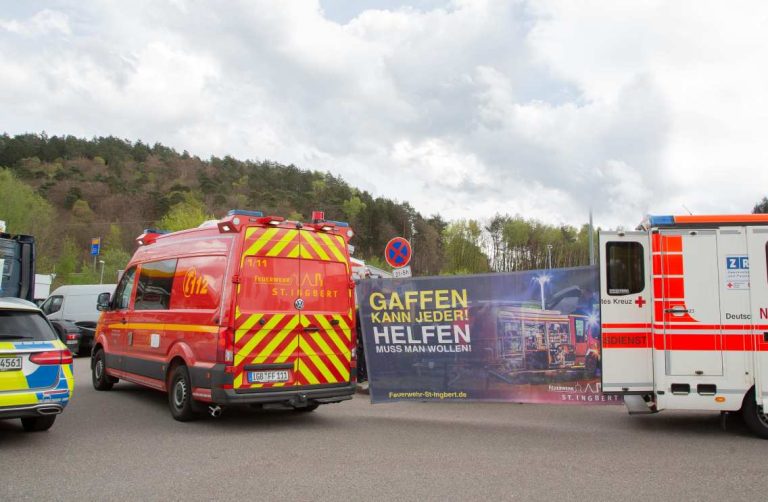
{"x":10,"y":363}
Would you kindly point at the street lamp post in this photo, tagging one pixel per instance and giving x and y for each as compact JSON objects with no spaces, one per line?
{"x":101,"y":279}
{"x":549,"y":255}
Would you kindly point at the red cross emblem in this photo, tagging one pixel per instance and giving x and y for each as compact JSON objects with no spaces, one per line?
{"x":640,"y":302}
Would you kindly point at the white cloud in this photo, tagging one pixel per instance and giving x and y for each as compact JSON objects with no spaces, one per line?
{"x":467,"y":108}
{"x":45,"y":22}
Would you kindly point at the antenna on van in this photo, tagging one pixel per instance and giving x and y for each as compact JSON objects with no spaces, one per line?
{"x":686,"y":208}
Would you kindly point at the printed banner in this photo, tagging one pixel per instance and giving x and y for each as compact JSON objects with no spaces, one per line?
{"x":530,"y":337}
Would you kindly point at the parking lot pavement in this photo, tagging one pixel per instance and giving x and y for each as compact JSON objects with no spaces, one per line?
{"x":124,"y":445}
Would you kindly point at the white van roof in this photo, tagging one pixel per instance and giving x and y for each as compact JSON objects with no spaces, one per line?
{"x":83,"y":289}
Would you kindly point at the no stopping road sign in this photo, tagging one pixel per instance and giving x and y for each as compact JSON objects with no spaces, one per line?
{"x":397,"y":253}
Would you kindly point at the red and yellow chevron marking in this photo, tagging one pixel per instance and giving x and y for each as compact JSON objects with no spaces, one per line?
{"x":289,"y":243}
{"x":318,"y":357}
{"x":274,"y":341}
{"x":325,"y":354}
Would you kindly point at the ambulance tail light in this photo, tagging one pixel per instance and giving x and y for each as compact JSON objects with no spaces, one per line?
{"x":51,"y":357}
{"x":225,"y":348}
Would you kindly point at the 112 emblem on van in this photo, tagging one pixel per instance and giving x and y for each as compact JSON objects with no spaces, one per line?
{"x":194,"y":284}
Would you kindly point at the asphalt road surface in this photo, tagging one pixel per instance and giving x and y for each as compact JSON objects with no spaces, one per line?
{"x":124,"y":445}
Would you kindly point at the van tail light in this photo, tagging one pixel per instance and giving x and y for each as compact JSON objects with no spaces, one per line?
{"x":73,"y":336}
{"x":225,"y":348}
{"x":51,"y":357}
{"x":353,"y":364}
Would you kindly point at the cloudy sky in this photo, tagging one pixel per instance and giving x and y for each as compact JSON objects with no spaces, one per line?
{"x":464,"y":108}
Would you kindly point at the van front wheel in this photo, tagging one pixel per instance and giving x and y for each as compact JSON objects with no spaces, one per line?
{"x":180,"y":399}
{"x":754,"y":415}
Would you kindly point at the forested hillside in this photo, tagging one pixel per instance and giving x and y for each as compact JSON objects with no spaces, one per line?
{"x":66,"y":190}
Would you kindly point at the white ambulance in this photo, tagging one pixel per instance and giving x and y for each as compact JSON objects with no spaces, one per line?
{"x":684,"y":312}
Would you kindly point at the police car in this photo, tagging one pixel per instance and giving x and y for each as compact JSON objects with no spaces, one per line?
{"x":35,"y":366}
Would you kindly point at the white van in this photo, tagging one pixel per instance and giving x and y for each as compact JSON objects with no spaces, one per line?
{"x":72,"y":311}
{"x":75,"y":303}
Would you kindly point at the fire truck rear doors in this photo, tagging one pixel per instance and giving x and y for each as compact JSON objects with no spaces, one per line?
{"x":267,"y":324}
{"x":294,"y":310}
{"x":327,"y":312}
{"x":757,"y":239}
{"x":625,"y":298}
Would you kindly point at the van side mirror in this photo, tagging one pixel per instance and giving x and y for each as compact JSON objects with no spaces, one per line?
{"x":102,"y":302}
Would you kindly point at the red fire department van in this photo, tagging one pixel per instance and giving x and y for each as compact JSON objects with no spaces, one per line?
{"x":250,"y":309}
{"x":684,"y":312}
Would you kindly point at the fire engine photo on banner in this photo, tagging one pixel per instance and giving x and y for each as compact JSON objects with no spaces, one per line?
{"x":525,"y":337}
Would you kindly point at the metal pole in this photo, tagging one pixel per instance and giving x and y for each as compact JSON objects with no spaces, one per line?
{"x":101,"y":279}
{"x":591,"y":240}
{"x":549,"y":255}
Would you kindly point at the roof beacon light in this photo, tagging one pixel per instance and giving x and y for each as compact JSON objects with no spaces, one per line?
{"x":243,"y":212}
{"x":658,"y":221}
{"x":149,"y":236}
{"x":318,"y":216}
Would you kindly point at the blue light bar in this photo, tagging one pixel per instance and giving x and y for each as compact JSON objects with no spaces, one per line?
{"x":156,"y":231}
{"x":338,"y":223}
{"x":243,"y":212}
{"x":659,"y":221}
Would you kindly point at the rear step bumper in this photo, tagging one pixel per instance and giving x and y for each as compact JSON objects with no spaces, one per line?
{"x":293,"y":397}
{"x":637,"y":405}
{"x":35,"y":410}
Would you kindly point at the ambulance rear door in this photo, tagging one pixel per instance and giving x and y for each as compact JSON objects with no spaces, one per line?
{"x":757,"y":242}
{"x":327,"y":309}
{"x":690,"y":306}
{"x":625,"y":311}
{"x":267,"y":324}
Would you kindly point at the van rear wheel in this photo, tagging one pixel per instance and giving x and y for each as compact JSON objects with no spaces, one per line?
{"x":754,"y":415}
{"x":183,"y":407}
{"x":101,"y":381}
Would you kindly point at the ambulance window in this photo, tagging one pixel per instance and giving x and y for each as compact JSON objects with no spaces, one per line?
{"x":625,"y":268}
{"x":155,"y":283}
{"x":123,"y":292}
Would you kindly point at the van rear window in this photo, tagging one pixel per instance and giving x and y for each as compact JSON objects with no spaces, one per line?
{"x":268,"y":284}
{"x":325,"y":286}
{"x":625,"y":272}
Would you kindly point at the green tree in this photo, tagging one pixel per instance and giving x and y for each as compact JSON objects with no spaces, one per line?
{"x":23,"y":210}
{"x":761,"y":207}
{"x":462,"y":243}
{"x":188,"y":213}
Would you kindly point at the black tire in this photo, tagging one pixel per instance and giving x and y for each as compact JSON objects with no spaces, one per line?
{"x":183,"y":407}
{"x":753,"y":415}
{"x":99,"y":377}
{"x":38,"y":424}
{"x":306,"y":409}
